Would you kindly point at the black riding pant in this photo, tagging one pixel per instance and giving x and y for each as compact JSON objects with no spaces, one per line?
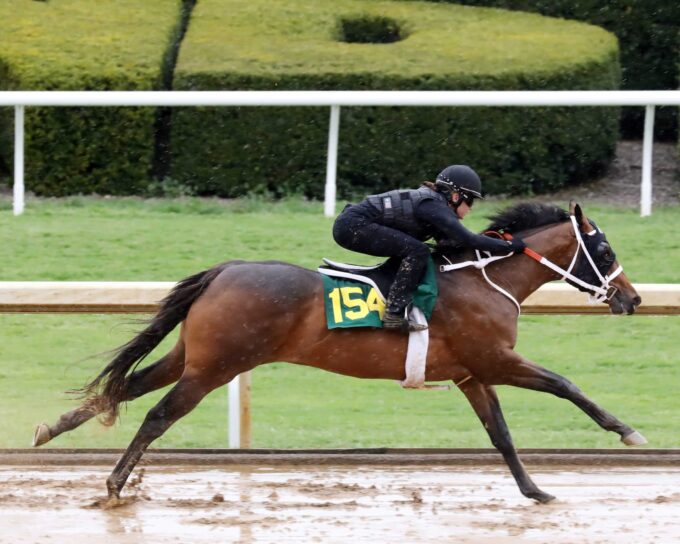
{"x":356,"y":229}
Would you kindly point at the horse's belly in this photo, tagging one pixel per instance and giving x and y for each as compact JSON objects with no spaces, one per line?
{"x":374,"y":354}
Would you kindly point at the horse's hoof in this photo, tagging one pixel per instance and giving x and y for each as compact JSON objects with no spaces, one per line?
{"x":634,"y":439}
{"x":541,"y":497}
{"x":112,"y":490}
{"x":41,"y":435}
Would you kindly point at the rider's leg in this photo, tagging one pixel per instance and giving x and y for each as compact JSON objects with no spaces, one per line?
{"x":357,"y":232}
{"x":411,"y":269}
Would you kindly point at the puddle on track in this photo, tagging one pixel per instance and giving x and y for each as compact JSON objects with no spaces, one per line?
{"x":339,"y":503}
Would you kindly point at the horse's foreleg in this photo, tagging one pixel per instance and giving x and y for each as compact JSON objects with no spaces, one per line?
{"x":163,"y":372}
{"x":529,"y":375}
{"x":179,"y":401}
{"x":485,"y":403}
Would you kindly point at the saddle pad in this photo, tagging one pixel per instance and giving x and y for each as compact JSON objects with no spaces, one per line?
{"x":357,"y":302}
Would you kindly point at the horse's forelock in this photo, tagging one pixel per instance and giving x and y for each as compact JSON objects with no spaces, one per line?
{"x":526,"y":216}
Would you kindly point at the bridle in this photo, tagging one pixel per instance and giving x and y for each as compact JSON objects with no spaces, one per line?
{"x":596,"y":293}
{"x":601,"y":293}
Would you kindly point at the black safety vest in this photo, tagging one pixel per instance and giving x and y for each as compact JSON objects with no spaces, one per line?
{"x":397,"y":209}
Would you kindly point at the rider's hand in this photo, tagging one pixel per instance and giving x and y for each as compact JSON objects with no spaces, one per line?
{"x":517,"y":245}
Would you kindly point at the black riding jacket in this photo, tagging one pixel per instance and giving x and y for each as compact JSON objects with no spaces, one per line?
{"x":423,"y":214}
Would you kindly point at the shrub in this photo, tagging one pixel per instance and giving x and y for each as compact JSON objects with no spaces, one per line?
{"x":233,"y":45}
{"x":648,"y":35}
{"x":84,"y":45}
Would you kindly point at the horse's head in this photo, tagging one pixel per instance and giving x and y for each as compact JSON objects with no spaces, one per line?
{"x":596,"y":265}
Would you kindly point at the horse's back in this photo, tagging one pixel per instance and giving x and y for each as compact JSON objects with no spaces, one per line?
{"x":274,"y":282}
{"x":252,"y":308}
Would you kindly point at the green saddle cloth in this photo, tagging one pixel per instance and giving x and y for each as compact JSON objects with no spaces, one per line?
{"x":351,"y":303}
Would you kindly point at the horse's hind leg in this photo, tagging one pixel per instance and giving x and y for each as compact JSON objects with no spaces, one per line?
{"x":528,"y":375}
{"x":163,"y":372}
{"x":178,"y":402}
{"x":485,"y":403}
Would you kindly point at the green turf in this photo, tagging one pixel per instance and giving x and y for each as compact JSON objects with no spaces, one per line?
{"x":625,"y":364}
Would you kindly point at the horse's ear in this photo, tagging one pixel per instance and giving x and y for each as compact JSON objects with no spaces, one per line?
{"x":581,"y":219}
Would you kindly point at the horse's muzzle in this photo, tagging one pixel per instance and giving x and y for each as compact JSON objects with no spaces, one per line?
{"x":622,"y":303}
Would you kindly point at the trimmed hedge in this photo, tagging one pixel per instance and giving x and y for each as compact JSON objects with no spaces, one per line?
{"x":85,"y":45}
{"x":648,"y":32}
{"x":236,"y":45}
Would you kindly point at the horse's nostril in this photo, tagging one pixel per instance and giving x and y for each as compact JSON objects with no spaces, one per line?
{"x":637,"y":300}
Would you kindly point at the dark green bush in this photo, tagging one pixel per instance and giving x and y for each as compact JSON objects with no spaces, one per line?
{"x":84,"y":45}
{"x":372,"y":29}
{"x":648,"y":37}
{"x":234,"y":151}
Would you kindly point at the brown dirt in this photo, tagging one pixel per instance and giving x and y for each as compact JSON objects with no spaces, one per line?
{"x":340,"y":504}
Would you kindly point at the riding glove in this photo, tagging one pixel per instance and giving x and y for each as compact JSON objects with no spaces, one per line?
{"x":517,"y":245}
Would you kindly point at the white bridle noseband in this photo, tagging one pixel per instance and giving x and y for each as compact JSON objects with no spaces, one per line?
{"x":602,"y":293}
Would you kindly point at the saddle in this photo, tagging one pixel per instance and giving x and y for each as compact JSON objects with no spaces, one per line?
{"x":380,"y":276}
{"x":355,"y":295}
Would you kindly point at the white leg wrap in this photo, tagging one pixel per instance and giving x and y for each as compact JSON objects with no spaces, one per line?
{"x":416,"y":355}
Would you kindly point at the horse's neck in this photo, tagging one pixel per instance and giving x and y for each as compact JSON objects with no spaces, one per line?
{"x":523,"y":275}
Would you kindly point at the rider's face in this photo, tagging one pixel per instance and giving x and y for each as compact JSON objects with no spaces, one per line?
{"x":462,"y":210}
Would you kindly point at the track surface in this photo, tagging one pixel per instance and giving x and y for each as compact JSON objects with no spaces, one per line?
{"x":340,"y":503}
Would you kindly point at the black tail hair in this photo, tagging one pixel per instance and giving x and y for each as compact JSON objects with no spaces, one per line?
{"x":109,"y":389}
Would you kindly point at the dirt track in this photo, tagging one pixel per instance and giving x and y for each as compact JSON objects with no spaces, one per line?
{"x":340,"y":504}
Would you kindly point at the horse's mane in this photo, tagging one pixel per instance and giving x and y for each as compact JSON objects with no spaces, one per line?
{"x":514,"y":219}
{"x":526,"y":216}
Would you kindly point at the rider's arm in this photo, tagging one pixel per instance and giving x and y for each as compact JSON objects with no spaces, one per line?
{"x":442,"y":218}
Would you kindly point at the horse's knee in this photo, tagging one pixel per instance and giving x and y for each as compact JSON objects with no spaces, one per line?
{"x":502,"y":442}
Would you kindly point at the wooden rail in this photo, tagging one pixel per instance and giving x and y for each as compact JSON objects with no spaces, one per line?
{"x":143,"y":297}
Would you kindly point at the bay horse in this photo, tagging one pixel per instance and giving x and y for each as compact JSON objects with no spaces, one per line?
{"x":239,"y":315}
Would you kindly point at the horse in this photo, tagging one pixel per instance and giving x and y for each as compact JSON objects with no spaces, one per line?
{"x":238,"y":315}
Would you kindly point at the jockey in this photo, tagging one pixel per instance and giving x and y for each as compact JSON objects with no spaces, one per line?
{"x":396,"y":224}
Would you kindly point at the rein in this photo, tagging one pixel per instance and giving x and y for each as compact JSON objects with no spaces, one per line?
{"x":604,"y":291}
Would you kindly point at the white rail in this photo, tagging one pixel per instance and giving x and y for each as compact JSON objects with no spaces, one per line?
{"x":336,"y":99}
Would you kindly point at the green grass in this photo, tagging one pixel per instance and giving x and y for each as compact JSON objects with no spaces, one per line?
{"x":626,"y":364}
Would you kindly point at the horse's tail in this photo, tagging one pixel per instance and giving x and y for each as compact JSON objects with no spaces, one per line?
{"x":108,"y":389}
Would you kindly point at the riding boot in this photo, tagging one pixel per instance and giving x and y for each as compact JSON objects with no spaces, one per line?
{"x":398,"y":321}
{"x":410,"y":271}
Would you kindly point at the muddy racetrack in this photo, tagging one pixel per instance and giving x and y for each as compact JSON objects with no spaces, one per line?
{"x":360,"y":502}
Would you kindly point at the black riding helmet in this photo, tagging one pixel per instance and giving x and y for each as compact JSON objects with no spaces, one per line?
{"x":461,"y":179}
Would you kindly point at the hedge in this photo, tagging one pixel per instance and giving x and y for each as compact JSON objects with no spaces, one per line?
{"x":85,"y":45}
{"x":648,"y":32}
{"x":293,"y":44}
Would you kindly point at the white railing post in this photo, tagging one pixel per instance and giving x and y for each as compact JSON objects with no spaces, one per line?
{"x":234,"y":413}
{"x":332,"y":164}
{"x":239,"y":411}
{"x":18,"y":195}
{"x":647,"y":144}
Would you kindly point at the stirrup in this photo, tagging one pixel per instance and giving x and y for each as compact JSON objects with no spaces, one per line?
{"x":394,"y":321}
